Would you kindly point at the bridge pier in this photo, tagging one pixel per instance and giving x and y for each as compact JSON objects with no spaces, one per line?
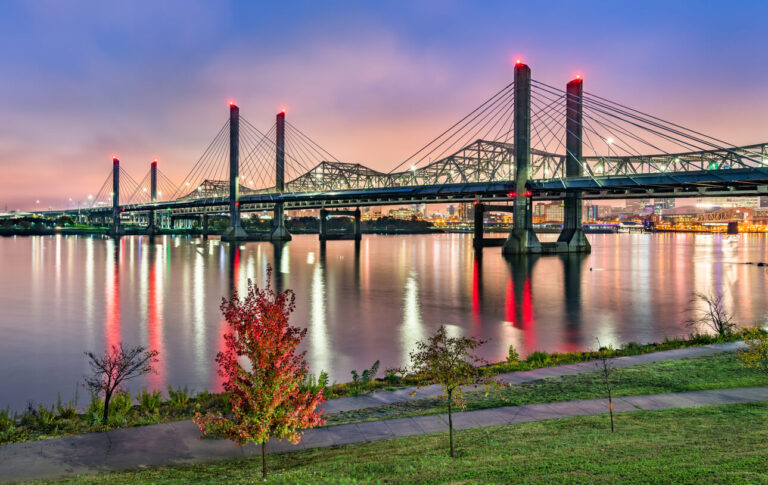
{"x":733,"y":228}
{"x":279,"y":231}
{"x":522,"y":239}
{"x":356,"y":234}
{"x":572,"y":238}
{"x":480,"y":241}
{"x":235,"y":231}
{"x":116,"y":229}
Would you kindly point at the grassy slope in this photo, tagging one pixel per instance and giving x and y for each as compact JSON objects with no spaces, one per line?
{"x":716,"y":444}
{"x":718,"y":371}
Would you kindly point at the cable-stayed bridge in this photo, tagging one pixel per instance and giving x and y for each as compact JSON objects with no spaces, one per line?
{"x":529,"y":141}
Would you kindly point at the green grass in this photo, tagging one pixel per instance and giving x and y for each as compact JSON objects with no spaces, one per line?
{"x":714,"y":444}
{"x":719,"y":371}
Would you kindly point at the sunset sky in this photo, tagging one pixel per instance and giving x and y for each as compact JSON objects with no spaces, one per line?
{"x":370,"y":81}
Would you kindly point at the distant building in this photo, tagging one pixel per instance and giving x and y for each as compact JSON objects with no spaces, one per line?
{"x":548,"y":212}
{"x":405,"y":214}
{"x":710,"y":202}
{"x":451,"y":210}
{"x":466,"y":211}
{"x":372,"y":214}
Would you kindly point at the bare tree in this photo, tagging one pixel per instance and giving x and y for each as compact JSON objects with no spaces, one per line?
{"x":115,"y":366}
{"x":606,"y":369}
{"x":709,"y":310}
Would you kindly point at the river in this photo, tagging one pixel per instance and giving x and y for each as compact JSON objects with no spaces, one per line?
{"x":63,"y":295}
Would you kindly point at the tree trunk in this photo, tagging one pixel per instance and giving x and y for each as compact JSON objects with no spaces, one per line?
{"x":450,"y":421}
{"x":610,"y":408}
{"x":106,"y":408}
{"x":264,"y":459}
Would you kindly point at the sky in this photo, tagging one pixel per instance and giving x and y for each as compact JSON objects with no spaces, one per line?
{"x":369,"y":81}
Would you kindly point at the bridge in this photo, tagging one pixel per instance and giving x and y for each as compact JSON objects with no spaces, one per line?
{"x":529,"y":141}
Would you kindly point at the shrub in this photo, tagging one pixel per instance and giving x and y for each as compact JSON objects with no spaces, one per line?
{"x":95,"y":411}
{"x":38,"y":417}
{"x":149,"y":401}
{"x":7,"y":420}
{"x":316,"y":385}
{"x":178,"y":398}
{"x":66,"y":410}
{"x":122,"y":402}
{"x":538,"y":358}
{"x":392,"y":376}
{"x":362,"y":381}
{"x":512,"y":355}
{"x":755,"y":356}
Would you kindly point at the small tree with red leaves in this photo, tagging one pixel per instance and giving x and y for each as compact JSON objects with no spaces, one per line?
{"x":267,"y":396}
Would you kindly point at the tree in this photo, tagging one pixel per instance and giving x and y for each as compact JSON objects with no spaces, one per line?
{"x":65,"y":220}
{"x":606,"y":370}
{"x":711,"y":313}
{"x":116,"y":366}
{"x":267,"y":397}
{"x":755,"y":356}
{"x":452,"y":363}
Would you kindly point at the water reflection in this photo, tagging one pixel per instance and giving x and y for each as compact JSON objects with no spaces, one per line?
{"x":360,"y":302}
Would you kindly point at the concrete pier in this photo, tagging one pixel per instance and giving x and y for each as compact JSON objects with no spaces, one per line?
{"x":356,"y":234}
{"x":522,"y":239}
{"x":572,"y":238}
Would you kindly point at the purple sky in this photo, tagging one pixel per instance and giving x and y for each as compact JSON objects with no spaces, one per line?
{"x":370,"y":81}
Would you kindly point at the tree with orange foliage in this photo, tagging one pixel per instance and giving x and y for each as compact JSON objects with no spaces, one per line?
{"x":269,"y":399}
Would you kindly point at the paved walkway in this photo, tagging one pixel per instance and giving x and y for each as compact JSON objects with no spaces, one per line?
{"x":178,"y":443}
{"x":402,"y":395}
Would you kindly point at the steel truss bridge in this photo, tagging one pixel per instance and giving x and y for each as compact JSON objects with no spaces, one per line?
{"x":529,"y":141}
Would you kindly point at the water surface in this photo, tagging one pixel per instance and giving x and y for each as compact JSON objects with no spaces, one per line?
{"x":61,"y":296}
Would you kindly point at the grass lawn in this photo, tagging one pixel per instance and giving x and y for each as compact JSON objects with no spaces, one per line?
{"x":717,"y":371}
{"x":713,"y":444}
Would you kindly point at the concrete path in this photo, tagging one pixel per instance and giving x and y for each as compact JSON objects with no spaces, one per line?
{"x":402,"y":395}
{"x":178,"y":443}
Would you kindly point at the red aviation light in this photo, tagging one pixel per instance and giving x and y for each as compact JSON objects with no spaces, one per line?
{"x":528,"y":193}
{"x":518,"y":61}
{"x":232,"y":103}
{"x":237,"y":204}
{"x":283,"y":110}
{"x":578,"y":76}
{"x":512,"y":194}
{"x":475,"y":202}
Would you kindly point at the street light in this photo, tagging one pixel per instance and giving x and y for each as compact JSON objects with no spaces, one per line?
{"x":609,"y":142}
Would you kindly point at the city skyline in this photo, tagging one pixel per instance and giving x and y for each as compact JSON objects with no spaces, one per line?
{"x":152,"y":81}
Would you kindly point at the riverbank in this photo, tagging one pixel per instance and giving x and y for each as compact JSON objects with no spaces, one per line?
{"x":349,"y":402}
{"x":688,"y":438}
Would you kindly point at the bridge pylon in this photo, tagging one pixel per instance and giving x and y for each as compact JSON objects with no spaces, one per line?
{"x":151,"y":223}
{"x":116,"y":229}
{"x":279,"y":231}
{"x":522,"y":239}
{"x":572,"y":238}
{"x":235,"y":230}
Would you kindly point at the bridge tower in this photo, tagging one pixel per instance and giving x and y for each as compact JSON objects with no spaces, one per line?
{"x":572,"y":238}
{"x":235,"y":230}
{"x":116,"y":230}
{"x":151,"y":226}
{"x":522,"y":239}
{"x":279,"y":231}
